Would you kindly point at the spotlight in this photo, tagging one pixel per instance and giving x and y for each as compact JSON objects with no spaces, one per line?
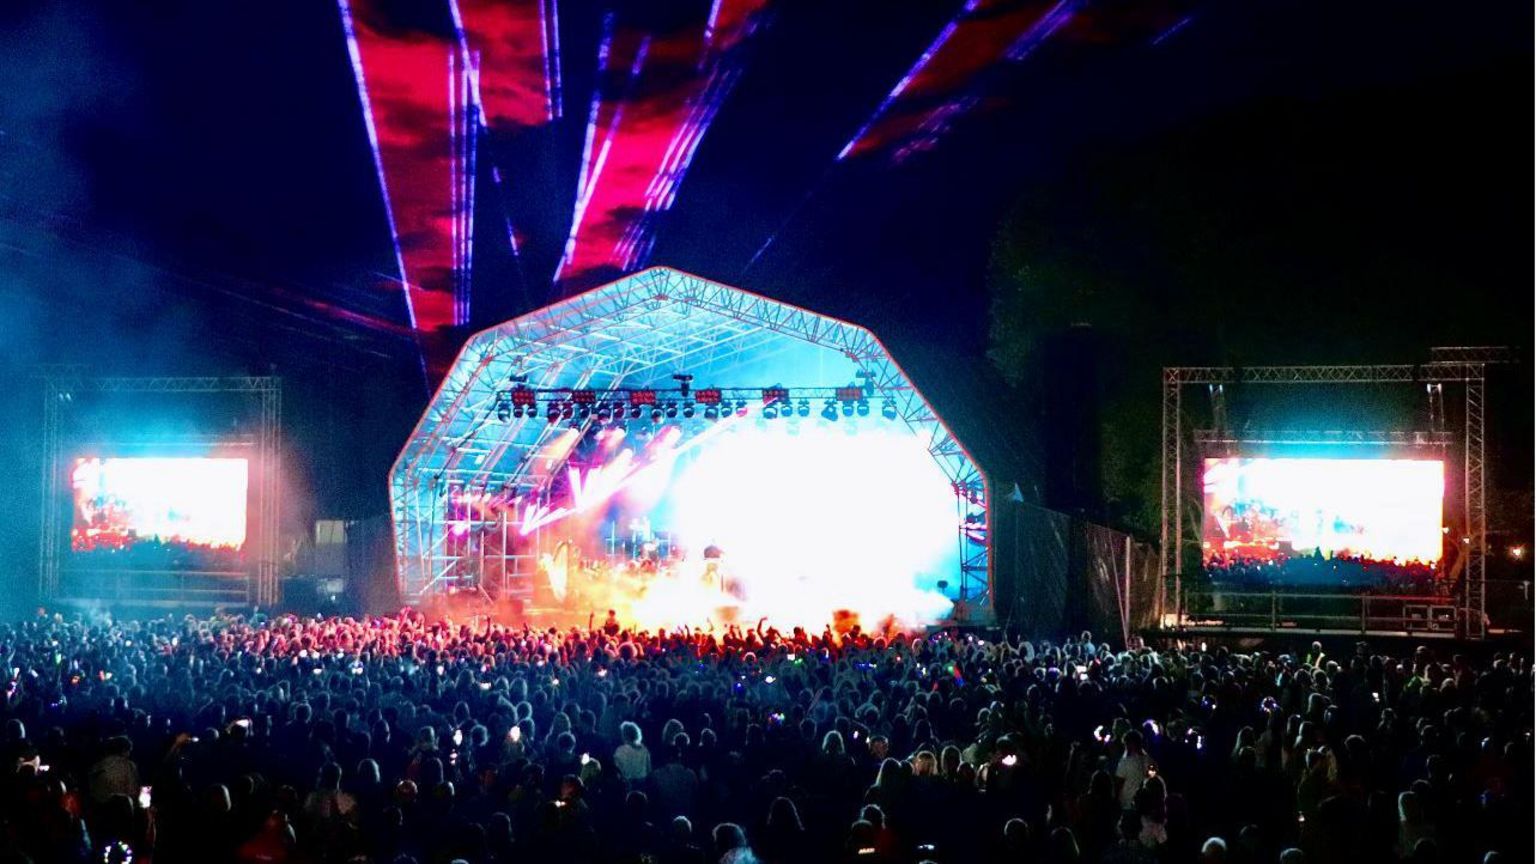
{"x":805,"y":408}
{"x":711,"y":413}
{"x":634,"y":412}
{"x":603,"y":415}
{"x":585,"y":412}
{"x":830,"y":411}
{"x":771,"y":412}
{"x":847,"y":409}
{"x":888,"y":410}
{"x":863,"y":407}
{"x":504,"y":413}
{"x":688,"y":411}
{"x":656,"y":415}
{"x":567,"y":412}
{"x":554,"y":412}
{"x":671,"y":410}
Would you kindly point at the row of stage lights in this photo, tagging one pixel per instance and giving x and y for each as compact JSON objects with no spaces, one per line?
{"x":521,"y":402}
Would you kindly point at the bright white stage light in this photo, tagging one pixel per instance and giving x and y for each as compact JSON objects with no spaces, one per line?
{"x":822,"y":521}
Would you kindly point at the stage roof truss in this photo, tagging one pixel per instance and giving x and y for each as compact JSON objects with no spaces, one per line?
{"x":634,"y":333}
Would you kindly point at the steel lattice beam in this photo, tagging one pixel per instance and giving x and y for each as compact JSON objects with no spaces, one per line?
{"x":1429,"y":438}
{"x":1476,"y":573}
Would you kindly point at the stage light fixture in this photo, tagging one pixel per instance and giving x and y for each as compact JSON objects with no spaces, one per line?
{"x":741,"y":408}
{"x":711,"y":413}
{"x":603,"y":415}
{"x":863,"y":407}
{"x":554,"y":412}
{"x":688,"y":411}
{"x":584,"y":412}
{"x":830,"y":411}
{"x":847,"y":409}
{"x":888,"y":410}
{"x":771,"y":412}
{"x":635,"y":411}
{"x":671,"y":410}
{"x":567,"y":412}
{"x":805,"y":408}
{"x":656,"y":415}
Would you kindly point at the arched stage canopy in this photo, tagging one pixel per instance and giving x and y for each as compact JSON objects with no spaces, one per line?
{"x":639,"y":332}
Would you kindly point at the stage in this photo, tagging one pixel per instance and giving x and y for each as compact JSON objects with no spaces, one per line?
{"x":687,"y":453}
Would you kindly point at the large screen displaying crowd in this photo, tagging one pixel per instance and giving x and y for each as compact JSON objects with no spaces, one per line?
{"x":397,"y":740}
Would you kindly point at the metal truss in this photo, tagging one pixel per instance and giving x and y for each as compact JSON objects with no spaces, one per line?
{"x":1171,"y":535}
{"x":1364,"y":437}
{"x":60,"y":386}
{"x":637,"y":333}
{"x":1462,"y":365}
{"x":1475,"y":578}
{"x":1488,"y":354}
{"x":1370,"y":374}
{"x":80,"y":383}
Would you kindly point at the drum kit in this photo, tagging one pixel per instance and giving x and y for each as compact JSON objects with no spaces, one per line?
{"x":630,"y":565}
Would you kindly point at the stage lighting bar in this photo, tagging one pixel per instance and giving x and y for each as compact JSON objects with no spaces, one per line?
{"x":615,"y":406}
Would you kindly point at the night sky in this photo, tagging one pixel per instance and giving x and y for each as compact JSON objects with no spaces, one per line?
{"x":192,"y":189}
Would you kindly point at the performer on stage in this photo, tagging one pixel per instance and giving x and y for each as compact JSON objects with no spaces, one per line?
{"x":714,"y":574}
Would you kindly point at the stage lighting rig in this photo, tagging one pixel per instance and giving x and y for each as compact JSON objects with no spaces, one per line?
{"x":684,"y":382}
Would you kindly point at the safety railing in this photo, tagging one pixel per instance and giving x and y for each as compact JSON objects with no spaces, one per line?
{"x":1287,"y":611}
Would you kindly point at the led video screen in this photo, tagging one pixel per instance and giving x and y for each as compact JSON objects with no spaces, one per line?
{"x":180,"y":502}
{"x":1266,"y":510}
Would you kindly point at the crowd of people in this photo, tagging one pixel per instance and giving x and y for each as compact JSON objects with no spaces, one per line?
{"x":1317,"y":572}
{"x":391,"y":740}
